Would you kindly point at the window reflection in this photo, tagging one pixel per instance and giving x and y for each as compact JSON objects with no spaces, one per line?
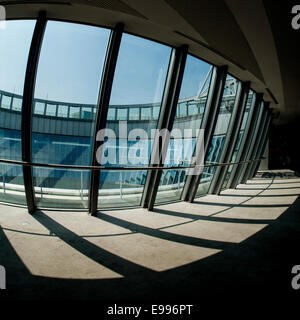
{"x":17,"y":104}
{"x":189,"y":113}
{"x":5,"y":102}
{"x":63,"y":111}
{"x":218,"y":139}
{"x":65,"y":106}
{"x":138,"y":86}
{"x":69,"y":72}
{"x":51,"y":110}
{"x":240,"y":137}
{"x":15,"y":42}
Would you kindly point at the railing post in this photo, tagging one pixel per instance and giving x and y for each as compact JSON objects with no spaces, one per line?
{"x":81,"y":184}
{"x":27,"y":106}
{"x":208,"y":124}
{"x":165,"y":121}
{"x":121,"y":185}
{"x":103,"y":105}
{"x":231,"y":137}
{"x":4,"y":172}
{"x":41,"y":191}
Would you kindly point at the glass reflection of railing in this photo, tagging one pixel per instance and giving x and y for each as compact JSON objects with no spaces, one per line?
{"x":135,"y":112}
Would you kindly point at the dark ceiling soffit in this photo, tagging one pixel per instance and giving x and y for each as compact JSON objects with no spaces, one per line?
{"x":272,"y":95}
{"x":112,"y":5}
{"x":123,"y":9}
{"x":211,"y":49}
{"x":13,"y":3}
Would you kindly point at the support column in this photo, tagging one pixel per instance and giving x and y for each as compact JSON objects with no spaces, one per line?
{"x":247,"y":138}
{"x":231,"y":137}
{"x":102,"y":110}
{"x":165,"y":121}
{"x":256,"y":143}
{"x":27,"y":107}
{"x":208,"y":124}
{"x":261,"y":149}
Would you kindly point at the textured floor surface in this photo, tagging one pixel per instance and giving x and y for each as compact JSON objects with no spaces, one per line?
{"x":242,"y":243}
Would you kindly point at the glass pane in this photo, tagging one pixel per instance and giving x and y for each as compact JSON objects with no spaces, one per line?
{"x":192,"y":109}
{"x":5,"y":102}
{"x":63,"y":111}
{"x":193,"y":95}
{"x":170,"y":185}
{"x":17,"y":104}
{"x":134,"y":114}
{"x":51,"y":110}
{"x":219,"y":135}
{"x":111,"y":114}
{"x":39,"y":108}
{"x":182,"y":109}
{"x":121,"y":188}
{"x":145,"y":113}
{"x":61,"y":188}
{"x":74,"y":112}
{"x":68,"y":77}
{"x":15,"y":41}
{"x":139,"y":80}
{"x":156,"y":112}
{"x":240,"y":137}
{"x":122,"y":114}
{"x":87,"y":113}
{"x":12,"y":184}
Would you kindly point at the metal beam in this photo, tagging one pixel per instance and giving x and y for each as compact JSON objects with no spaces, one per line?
{"x":102,"y":110}
{"x":208,"y":124}
{"x":246,"y":141}
{"x":256,"y":143}
{"x":231,"y":137}
{"x":27,"y":106}
{"x":190,"y":179}
{"x":165,"y":121}
{"x":261,"y":149}
{"x":248,"y":151}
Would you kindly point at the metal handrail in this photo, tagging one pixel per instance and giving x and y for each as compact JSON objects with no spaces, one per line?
{"x":65,"y":166}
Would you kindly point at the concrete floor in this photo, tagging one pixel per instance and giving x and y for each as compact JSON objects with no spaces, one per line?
{"x":243,"y":242}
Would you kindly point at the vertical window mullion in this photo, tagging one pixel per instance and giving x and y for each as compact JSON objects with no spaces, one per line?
{"x":102,"y":111}
{"x":261,"y":148}
{"x":256,"y":140}
{"x":231,"y":137}
{"x":27,"y":107}
{"x":245,"y":144}
{"x":166,"y":120}
{"x":252,"y":137}
{"x":208,"y":124}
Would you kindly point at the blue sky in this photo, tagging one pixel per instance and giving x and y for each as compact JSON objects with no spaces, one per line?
{"x":72,"y":58}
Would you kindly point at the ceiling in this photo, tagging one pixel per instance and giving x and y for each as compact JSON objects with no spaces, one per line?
{"x":254,"y":38}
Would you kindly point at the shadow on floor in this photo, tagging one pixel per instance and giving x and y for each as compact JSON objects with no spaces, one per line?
{"x":258,"y":267}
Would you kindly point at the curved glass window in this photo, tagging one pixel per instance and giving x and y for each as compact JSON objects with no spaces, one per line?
{"x":189,"y":113}
{"x":240,"y":136}
{"x":15,"y":41}
{"x":138,"y":87}
{"x":68,"y":75}
{"x":218,"y":139}
{"x":64,"y":109}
